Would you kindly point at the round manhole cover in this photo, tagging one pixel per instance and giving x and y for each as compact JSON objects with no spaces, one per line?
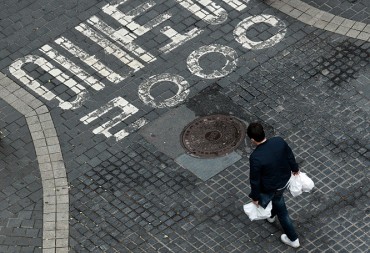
{"x":212,"y":136}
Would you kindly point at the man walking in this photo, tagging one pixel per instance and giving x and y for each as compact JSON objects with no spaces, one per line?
{"x":271,"y":165}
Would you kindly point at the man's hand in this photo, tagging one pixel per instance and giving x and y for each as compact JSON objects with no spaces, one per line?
{"x":295,"y":173}
{"x":255,"y":202}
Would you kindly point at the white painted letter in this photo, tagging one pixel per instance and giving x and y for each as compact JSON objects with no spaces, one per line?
{"x":127,"y":111}
{"x":236,"y":4}
{"x":182,"y":92}
{"x":242,"y":27}
{"x":127,"y":19}
{"x":71,"y":66}
{"x":109,"y":47}
{"x":131,"y":29}
{"x":229,"y":53}
{"x":16,"y":70}
{"x":218,"y":15}
{"x":176,"y":38}
{"x":89,"y":60}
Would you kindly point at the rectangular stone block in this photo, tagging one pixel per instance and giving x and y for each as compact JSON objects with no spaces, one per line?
{"x":332,"y":27}
{"x":61,"y":250}
{"x":359,"y":26}
{"x":337,"y":20}
{"x":62,"y":216}
{"x":61,"y":243}
{"x":35,"y":127}
{"x":45,"y":117}
{"x":49,"y":200}
{"x":52,"y":140}
{"x":364,"y":36}
{"x":54,"y":149}
{"x":47,"y":124}
{"x":42,"y":109}
{"x":56,"y":157}
{"x":62,"y":233}
{"x":295,"y":13}
{"x":47,"y":244}
{"x":49,"y":184}
{"x":62,"y":199}
{"x":327,"y":17}
{"x":49,"y":217}
{"x":49,"y":208}
{"x":50,"y":234}
{"x":62,"y":225}
{"x":50,"y":132}
{"x":49,"y":225}
{"x":342,"y":30}
{"x":37,"y":135}
{"x":62,"y":190}
{"x":39,"y":143}
{"x":42,"y":151}
{"x":45,"y":175}
{"x":61,"y":182}
{"x":321,"y":24}
{"x":353,"y":33}
{"x":305,"y":18}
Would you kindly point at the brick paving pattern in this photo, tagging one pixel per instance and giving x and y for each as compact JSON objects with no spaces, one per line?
{"x":82,"y":89}
{"x":357,"y":10}
{"x":20,"y":187}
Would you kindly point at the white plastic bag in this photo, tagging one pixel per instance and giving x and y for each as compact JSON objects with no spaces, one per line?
{"x":300,"y":183}
{"x":295,"y":185}
{"x":257,"y":213}
{"x":307,"y":183}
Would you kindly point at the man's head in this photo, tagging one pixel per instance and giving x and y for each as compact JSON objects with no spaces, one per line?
{"x":255,"y":132}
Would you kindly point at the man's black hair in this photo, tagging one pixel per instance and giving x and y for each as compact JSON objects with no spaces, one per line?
{"x":255,"y":131}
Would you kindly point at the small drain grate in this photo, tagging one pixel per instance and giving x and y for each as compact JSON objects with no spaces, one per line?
{"x":213,"y":136}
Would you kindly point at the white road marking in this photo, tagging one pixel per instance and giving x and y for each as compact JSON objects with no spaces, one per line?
{"x":176,"y":38}
{"x":229,"y":53}
{"x":236,"y":4}
{"x":127,"y":19}
{"x":127,"y":111}
{"x":182,"y":92}
{"x":72,"y":67}
{"x":16,"y":70}
{"x":206,"y":10}
{"x":130,"y":129}
{"x":241,"y":29}
{"x":120,"y":37}
{"x":109,"y":47}
{"x":90,"y":60}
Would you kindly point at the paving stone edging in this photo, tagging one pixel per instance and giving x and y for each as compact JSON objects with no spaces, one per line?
{"x":50,"y":160}
{"x":322,"y":19}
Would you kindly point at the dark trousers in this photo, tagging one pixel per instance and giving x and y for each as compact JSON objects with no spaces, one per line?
{"x":279,"y":209}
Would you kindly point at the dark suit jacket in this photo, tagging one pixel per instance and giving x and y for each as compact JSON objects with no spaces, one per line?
{"x":271,"y":164}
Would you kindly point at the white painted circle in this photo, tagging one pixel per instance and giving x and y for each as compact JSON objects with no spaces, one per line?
{"x":229,"y":53}
{"x":241,"y":29}
{"x":182,"y":92}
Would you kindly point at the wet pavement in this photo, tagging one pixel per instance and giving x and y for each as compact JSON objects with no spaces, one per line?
{"x":95,"y":97}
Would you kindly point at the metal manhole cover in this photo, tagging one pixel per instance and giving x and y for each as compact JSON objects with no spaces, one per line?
{"x":213,"y":136}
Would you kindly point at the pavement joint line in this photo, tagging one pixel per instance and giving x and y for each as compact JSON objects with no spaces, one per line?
{"x":321,"y":19}
{"x":52,"y":170}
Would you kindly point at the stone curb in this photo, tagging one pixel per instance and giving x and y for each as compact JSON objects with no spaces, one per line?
{"x":322,"y":19}
{"x":51,"y":165}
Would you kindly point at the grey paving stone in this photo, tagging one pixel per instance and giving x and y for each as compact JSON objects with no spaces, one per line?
{"x":207,"y":168}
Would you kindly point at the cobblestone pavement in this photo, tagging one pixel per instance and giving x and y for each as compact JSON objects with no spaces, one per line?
{"x":95,"y":94}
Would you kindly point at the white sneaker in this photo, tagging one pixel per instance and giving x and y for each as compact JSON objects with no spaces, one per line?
{"x":271,"y":219}
{"x":295,"y":244}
